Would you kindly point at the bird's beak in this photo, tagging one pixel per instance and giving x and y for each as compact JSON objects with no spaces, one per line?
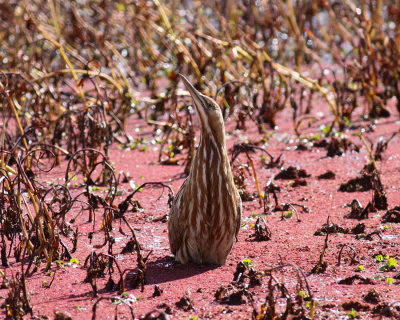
{"x":196,"y":95}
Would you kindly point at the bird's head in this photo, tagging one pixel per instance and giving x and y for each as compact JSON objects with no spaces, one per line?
{"x":208,"y":111}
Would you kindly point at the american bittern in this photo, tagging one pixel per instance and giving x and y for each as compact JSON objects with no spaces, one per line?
{"x":205,"y":215}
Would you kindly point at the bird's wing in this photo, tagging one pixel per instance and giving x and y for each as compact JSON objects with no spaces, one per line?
{"x":239,"y":210}
{"x":174,"y":233}
{"x":175,"y":229}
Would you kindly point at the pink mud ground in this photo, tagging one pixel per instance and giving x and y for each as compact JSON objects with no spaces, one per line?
{"x":293,"y":241}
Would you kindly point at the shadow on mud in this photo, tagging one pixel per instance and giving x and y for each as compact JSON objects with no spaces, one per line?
{"x":167,"y":269}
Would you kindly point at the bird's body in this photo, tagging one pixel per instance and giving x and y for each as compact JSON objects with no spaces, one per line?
{"x":205,"y":215}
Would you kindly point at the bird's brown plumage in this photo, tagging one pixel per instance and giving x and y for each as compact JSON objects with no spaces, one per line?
{"x":205,"y":215}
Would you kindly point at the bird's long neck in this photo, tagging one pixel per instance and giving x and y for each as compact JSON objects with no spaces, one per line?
{"x":213,"y":150}
{"x":211,"y":159}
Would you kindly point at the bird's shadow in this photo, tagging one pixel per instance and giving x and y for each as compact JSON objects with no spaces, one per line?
{"x":166,"y":269}
{"x":176,"y":177}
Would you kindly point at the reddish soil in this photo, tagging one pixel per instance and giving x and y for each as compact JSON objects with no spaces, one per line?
{"x":293,"y":240}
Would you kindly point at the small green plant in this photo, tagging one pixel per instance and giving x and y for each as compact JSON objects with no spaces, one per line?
{"x":390,"y":264}
{"x":347,"y":121}
{"x":310,"y":303}
{"x":315,"y":137}
{"x":288,"y":215}
{"x":59,"y":263}
{"x":325,"y":129}
{"x":92,"y":189}
{"x":125,"y":297}
{"x":121,"y":7}
{"x":352,"y":314}
{"x":78,"y":307}
{"x":119,"y":193}
{"x":389,"y":280}
{"x":303,"y":294}
{"x":248,"y":263}
{"x":74,"y":260}
{"x":263,"y":159}
{"x":360,"y":268}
